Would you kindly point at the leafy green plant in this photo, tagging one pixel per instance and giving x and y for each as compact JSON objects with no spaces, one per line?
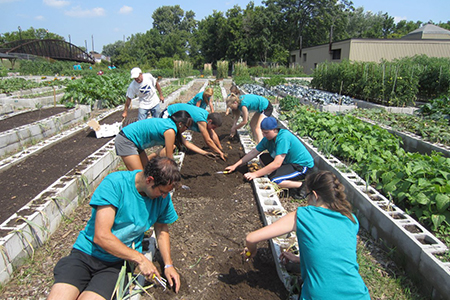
{"x":289,"y":102}
{"x":420,"y":184}
{"x":111,"y":88}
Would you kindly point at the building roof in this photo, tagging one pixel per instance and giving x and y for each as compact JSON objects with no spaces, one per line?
{"x":428,"y":31}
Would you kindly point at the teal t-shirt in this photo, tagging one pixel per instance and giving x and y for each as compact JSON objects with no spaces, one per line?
{"x":253,"y":102}
{"x":197,"y":114}
{"x":135,"y":214}
{"x":327,"y":244}
{"x":149,"y":132}
{"x":196,"y":99}
{"x":289,"y":144}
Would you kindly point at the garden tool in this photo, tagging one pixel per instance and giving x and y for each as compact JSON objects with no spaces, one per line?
{"x":161,"y":281}
{"x":223,"y":172}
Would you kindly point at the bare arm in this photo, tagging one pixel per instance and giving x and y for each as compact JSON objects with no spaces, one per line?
{"x":244,"y":120}
{"x":126,"y":106}
{"x":163,"y":237}
{"x":110,"y":243}
{"x":282,"y":226}
{"x":275,"y":164}
{"x":249,"y":156}
{"x":205,"y":133}
{"x":160,"y":93}
{"x":211,"y":106}
{"x":169,"y":137}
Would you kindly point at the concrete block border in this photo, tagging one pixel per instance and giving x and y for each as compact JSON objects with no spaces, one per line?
{"x":18,"y":138}
{"x":271,"y":210}
{"x":384,"y":220}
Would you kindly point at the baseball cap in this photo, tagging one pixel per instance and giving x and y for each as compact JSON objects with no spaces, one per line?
{"x":135,"y":72}
{"x":269,"y":123}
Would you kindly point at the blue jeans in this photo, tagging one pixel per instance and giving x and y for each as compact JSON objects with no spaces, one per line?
{"x":155,"y":111}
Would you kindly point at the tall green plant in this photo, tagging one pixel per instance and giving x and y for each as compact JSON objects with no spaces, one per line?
{"x":222,"y":69}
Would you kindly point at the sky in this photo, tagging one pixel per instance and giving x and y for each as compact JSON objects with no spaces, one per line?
{"x":101,"y":22}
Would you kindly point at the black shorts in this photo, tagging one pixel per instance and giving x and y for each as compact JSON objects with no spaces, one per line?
{"x":293,"y":172}
{"x":268,"y":111}
{"x":88,"y":273}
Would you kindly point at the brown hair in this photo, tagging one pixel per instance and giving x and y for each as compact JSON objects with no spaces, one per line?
{"x":231,"y":98}
{"x":331,"y":191}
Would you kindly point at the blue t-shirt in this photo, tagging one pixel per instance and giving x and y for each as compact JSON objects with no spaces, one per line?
{"x":287,"y":143}
{"x":196,"y":99}
{"x":197,"y":114}
{"x":149,"y":132}
{"x":327,"y":244}
{"x":253,"y":102}
{"x":135,"y":214}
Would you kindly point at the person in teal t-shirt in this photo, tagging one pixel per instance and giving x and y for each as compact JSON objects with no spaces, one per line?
{"x":245,"y":104}
{"x":327,"y":234}
{"x":204,"y":122}
{"x":203,"y":99}
{"x":287,"y":161}
{"x":124,"y":206}
{"x":134,"y":138}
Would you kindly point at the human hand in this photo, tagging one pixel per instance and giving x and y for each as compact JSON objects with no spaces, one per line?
{"x":286,"y":257}
{"x":211,"y":155}
{"x":230,"y":169}
{"x":224,"y":156}
{"x":148,"y":269}
{"x":161,"y":98}
{"x":172,"y":277}
{"x":250,"y":176}
{"x":124,"y":115}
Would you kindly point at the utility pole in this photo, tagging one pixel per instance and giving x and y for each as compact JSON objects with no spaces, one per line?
{"x":92,"y":43}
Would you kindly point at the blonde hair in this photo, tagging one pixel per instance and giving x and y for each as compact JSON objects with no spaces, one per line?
{"x":208,"y":92}
{"x":232,"y":98}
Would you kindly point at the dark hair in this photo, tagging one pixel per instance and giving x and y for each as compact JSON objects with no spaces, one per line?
{"x":164,"y":170}
{"x":184,"y":118}
{"x":216,"y":119}
{"x":331,"y":191}
{"x":235,"y":90}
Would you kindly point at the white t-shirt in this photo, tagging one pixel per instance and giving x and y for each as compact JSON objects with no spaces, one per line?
{"x":146,"y":91}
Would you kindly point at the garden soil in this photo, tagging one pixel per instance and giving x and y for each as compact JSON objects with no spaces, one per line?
{"x":25,"y":180}
{"x":216,"y":211}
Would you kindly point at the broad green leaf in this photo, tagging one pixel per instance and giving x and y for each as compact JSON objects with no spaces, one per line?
{"x":421,"y":198}
{"x":442,"y":202}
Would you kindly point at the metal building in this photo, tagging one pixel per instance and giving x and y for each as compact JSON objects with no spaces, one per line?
{"x":430,"y":40}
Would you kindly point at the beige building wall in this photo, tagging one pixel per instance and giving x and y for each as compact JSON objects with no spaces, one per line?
{"x":369,"y":51}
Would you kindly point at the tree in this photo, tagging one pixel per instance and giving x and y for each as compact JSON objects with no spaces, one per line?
{"x":30,"y":33}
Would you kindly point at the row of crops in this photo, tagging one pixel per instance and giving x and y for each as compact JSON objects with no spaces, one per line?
{"x":395,"y":83}
{"x":419,"y":184}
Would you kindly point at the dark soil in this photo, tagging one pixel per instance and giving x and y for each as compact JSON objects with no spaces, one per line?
{"x":216,"y":211}
{"x":29,"y":117}
{"x":22,"y":182}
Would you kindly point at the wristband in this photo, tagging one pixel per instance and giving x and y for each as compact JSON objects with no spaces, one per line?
{"x":167,"y":266}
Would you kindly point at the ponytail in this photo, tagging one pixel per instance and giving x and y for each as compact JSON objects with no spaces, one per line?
{"x":331,"y":191}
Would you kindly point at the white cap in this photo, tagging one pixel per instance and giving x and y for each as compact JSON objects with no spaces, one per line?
{"x":135,"y":72}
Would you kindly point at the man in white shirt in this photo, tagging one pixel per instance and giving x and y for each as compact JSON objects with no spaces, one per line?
{"x":144,"y":86}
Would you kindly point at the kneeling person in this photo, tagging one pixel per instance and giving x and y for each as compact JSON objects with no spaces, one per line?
{"x":124,"y":206}
{"x":287,"y":161}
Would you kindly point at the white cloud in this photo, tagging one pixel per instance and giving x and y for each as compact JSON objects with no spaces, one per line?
{"x":398,"y":19}
{"x":56,"y":3}
{"x":125,"y":10}
{"x":86,"y":13}
{"x":39,"y":18}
